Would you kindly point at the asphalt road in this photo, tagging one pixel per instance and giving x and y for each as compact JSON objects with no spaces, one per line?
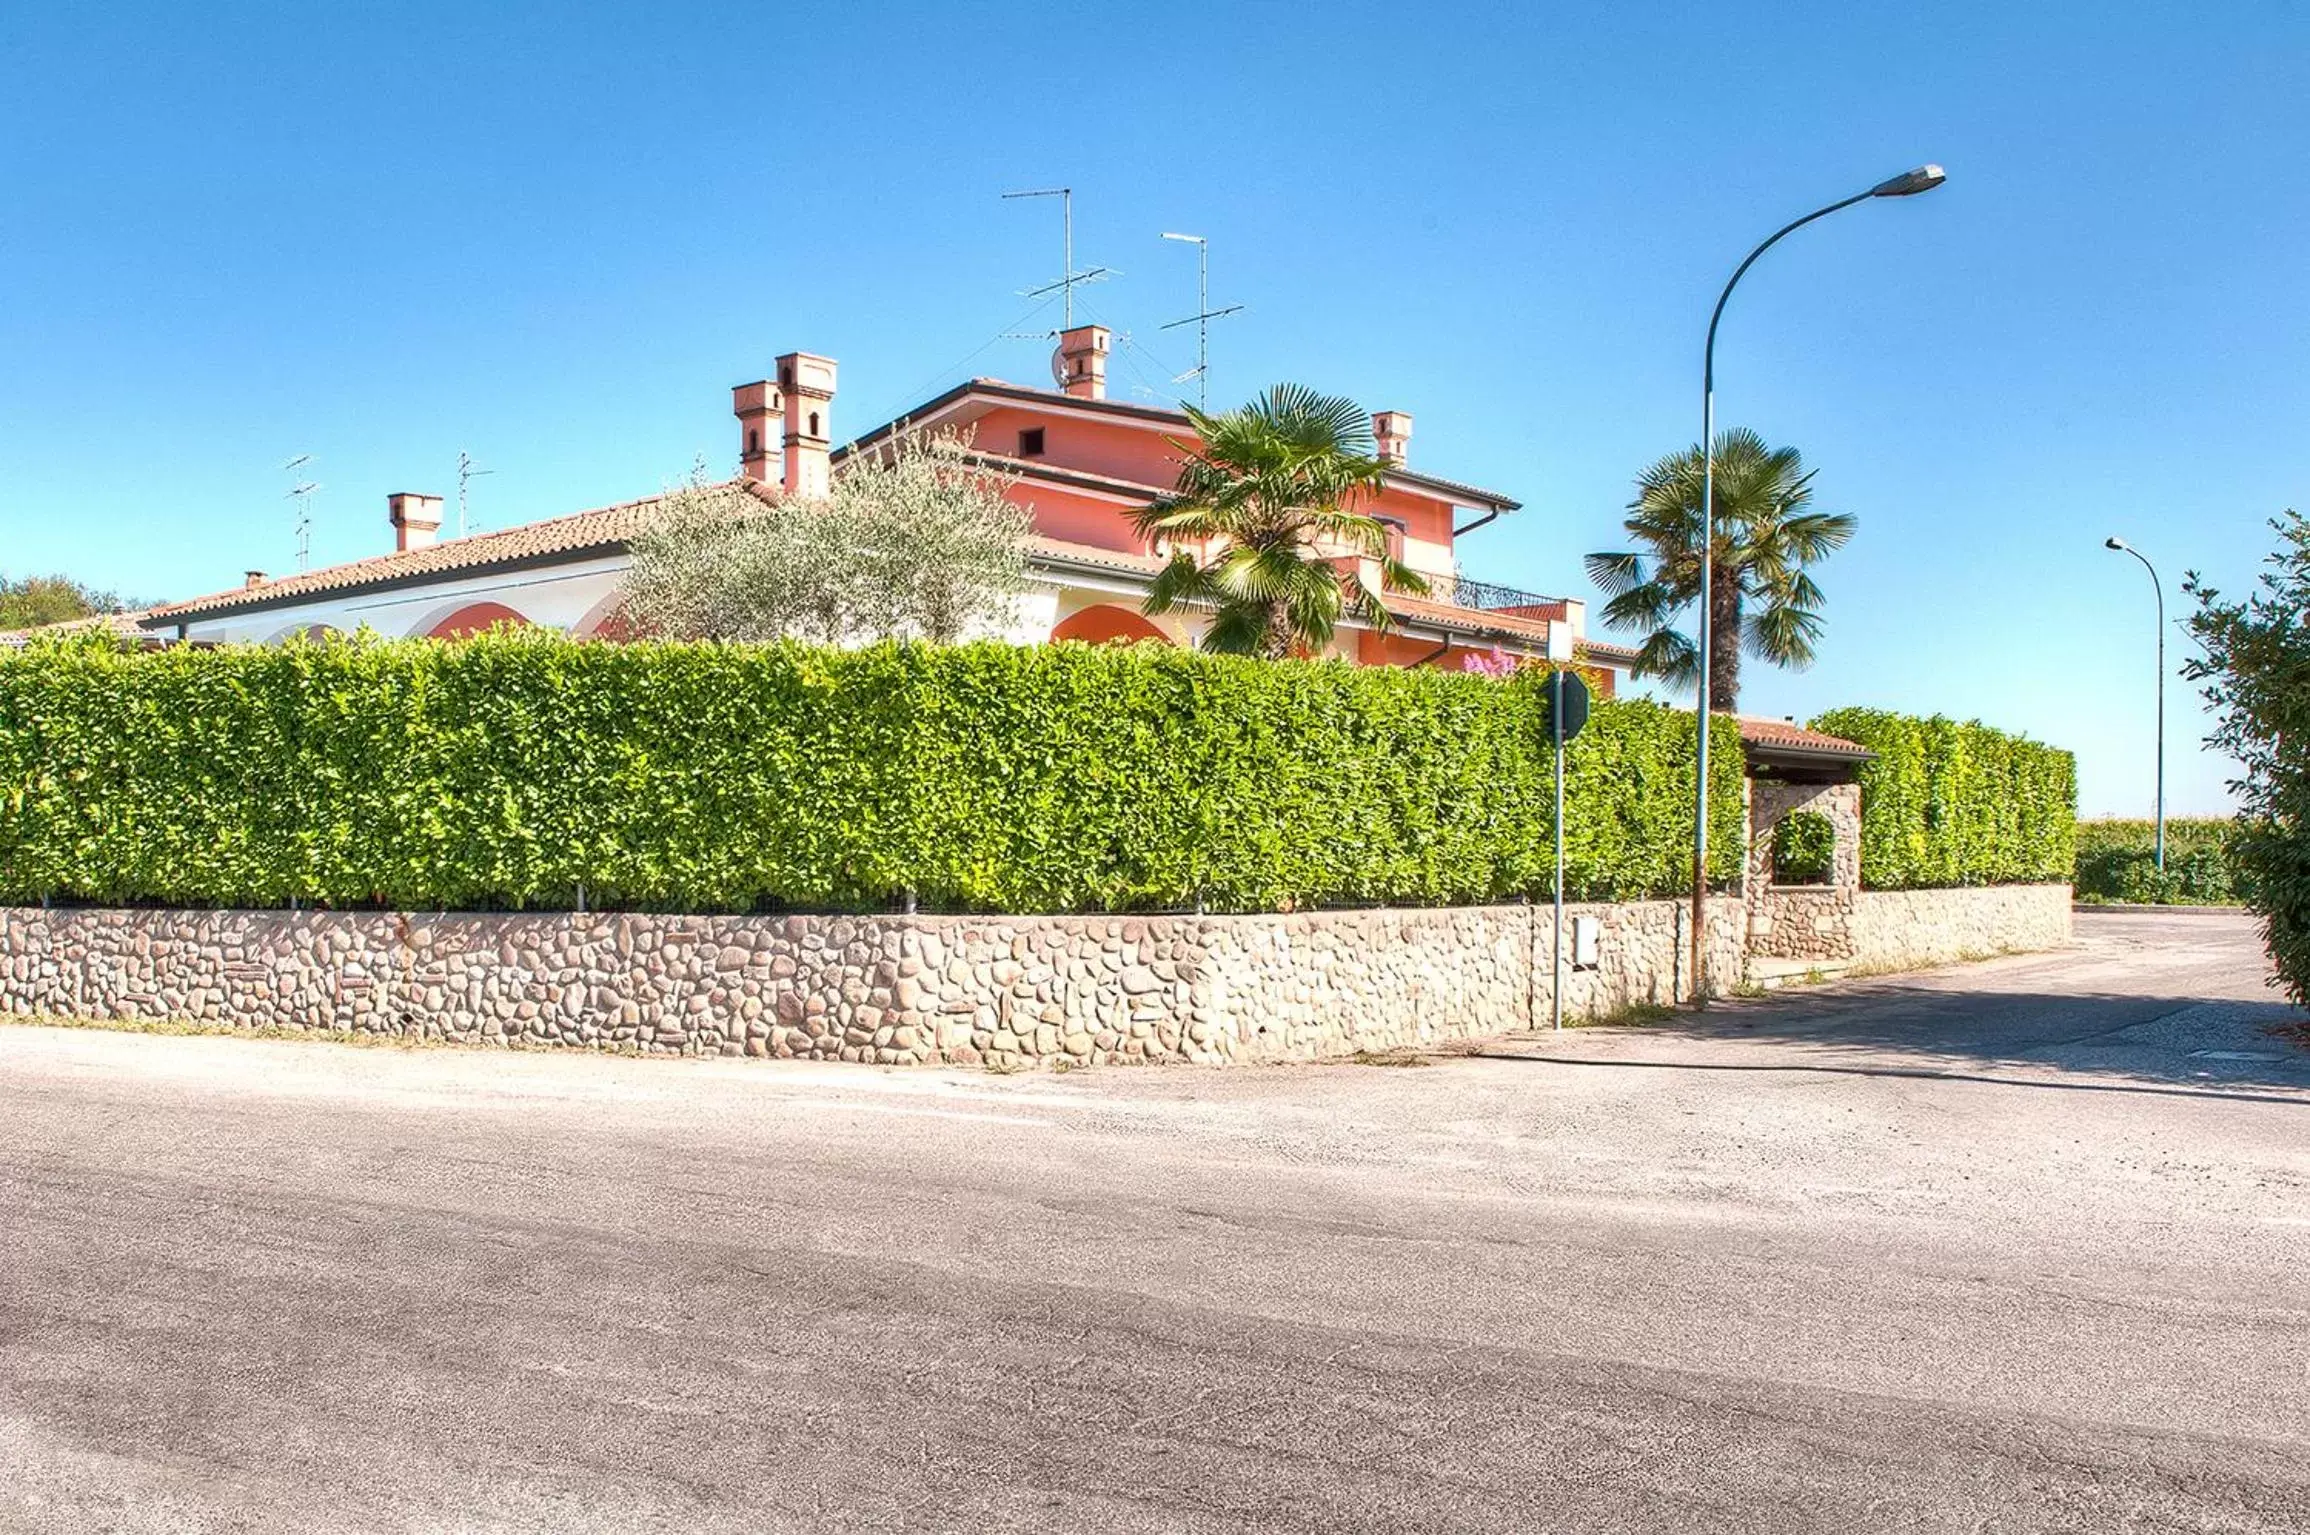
{"x":2024,"y":1246}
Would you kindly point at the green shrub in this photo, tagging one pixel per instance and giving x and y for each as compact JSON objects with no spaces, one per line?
{"x":1804,"y":848}
{"x":1946,"y":803}
{"x":512,"y":769}
{"x":2254,"y":667}
{"x":2117,"y":861}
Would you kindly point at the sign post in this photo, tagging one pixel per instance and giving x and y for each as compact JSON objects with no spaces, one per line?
{"x":1567,"y":712}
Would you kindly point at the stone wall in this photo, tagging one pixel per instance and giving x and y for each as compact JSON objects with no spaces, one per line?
{"x":888,"y":989}
{"x":1911,"y":929}
{"x":1803,"y":921}
{"x":900,"y":990}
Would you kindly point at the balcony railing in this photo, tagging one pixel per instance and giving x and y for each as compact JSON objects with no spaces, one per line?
{"x":1490,"y":596}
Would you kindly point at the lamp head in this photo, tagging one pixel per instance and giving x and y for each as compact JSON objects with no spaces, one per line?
{"x":2113,"y":543}
{"x":1909,"y":183}
{"x":1190,"y":239}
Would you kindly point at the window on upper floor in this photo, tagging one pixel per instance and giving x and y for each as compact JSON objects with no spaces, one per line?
{"x":1031,"y":442}
{"x":1397,"y":529}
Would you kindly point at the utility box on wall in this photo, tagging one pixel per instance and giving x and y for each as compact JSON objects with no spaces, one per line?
{"x":1587,"y":941}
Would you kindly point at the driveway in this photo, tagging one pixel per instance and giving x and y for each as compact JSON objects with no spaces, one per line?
{"x":1995,"y":1249}
{"x":2178,"y":998}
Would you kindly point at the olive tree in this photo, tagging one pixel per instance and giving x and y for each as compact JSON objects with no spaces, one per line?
{"x":31,"y":601}
{"x":915,"y":539}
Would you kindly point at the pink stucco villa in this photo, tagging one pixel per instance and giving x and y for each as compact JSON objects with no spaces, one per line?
{"x":1080,"y":461}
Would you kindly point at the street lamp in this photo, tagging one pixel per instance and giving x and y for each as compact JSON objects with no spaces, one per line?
{"x":1908,"y":184}
{"x":2159,"y":588}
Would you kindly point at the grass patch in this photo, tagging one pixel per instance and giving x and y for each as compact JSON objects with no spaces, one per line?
{"x":1397,"y":1057}
{"x":1629,"y":1015}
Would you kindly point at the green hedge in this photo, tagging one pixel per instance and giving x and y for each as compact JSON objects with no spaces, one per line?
{"x":509,"y":770}
{"x":1958,"y":804}
{"x":1804,"y":847}
{"x":2117,"y":862}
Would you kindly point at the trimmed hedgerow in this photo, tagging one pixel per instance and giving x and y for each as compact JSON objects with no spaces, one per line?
{"x":2117,"y":862}
{"x":1946,"y":803}
{"x":511,"y":770}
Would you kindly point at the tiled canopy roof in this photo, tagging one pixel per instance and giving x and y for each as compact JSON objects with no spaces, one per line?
{"x":1782,"y":735}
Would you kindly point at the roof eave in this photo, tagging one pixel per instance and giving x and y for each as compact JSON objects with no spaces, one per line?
{"x":259,"y":601}
{"x":1457,"y":493}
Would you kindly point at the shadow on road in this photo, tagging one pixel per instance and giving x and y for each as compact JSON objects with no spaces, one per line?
{"x":2241,"y":1092}
{"x":2142,"y":1001}
{"x":2177,"y":1002}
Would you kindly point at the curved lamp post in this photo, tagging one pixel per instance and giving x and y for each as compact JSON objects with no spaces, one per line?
{"x":2158,"y":587}
{"x":1908,"y":184}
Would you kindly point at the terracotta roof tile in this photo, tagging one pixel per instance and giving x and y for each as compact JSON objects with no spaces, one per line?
{"x":1771,"y":733}
{"x":605,"y":529}
{"x":1023,"y":394}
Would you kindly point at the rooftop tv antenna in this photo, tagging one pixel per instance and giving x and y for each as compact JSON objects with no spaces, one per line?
{"x":1068,"y":277}
{"x":466,"y":473}
{"x":1201,"y":319}
{"x":302,"y":494}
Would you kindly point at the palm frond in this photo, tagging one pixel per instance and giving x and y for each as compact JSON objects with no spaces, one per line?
{"x":1764,"y":535}
{"x":1616,"y":573}
{"x":1669,"y":656}
{"x":1237,"y":629}
{"x":1783,"y":634}
{"x":1644,"y":608}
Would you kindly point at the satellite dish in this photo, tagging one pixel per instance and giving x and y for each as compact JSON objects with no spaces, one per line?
{"x":1059,"y":366}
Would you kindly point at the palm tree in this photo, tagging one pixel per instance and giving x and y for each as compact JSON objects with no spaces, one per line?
{"x":1276,"y":490}
{"x":1764,"y":602}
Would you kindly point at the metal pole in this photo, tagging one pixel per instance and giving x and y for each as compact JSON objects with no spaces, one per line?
{"x":1556,"y":961}
{"x":2159,"y":587}
{"x":1708,"y":583}
{"x":1700,"y":709}
{"x":1202,"y":324}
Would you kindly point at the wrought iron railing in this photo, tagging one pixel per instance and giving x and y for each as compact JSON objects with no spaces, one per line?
{"x":1466,"y":592}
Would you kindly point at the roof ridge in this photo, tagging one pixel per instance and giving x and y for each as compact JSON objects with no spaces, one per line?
{"x":472,"y":549}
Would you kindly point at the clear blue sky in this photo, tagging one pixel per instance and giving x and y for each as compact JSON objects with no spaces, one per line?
{"x":555,"y":236}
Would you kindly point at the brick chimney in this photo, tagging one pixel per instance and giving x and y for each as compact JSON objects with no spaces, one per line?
{"x":416,"y":520}
{"x":253,"y":579}
{"x":756,"y":405}
{"x":807,"y":384}
{"x":1081,"y":363}
{"x":1392,"y":430}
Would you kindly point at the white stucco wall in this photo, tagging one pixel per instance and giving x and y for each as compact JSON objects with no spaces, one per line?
{"x":560,"y":597}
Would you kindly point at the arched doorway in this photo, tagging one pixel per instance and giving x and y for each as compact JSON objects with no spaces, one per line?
{"x":474,"y":618}
{"x":1106,"y":624}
